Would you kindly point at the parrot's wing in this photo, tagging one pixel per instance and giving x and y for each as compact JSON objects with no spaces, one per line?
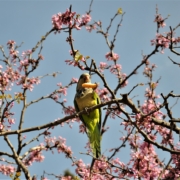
{"x":77,"y":110}
{"x":98,"y":102}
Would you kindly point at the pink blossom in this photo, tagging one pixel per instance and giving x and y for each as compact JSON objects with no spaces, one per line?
{"x":122,"y":77}
{"x":55,"y":97}
{"x":103,"y":66}
{"x":13,"y":53}
{"x":145,"y":159}
{"x":115,"y":69}
{"x":77,"y":27}
{"x":70,"y":110}
{"x":7,"y":78}
{"x":86,"y":18}
{"x":101,"y":165}
{"x":103,"y":94}
{"x":11,"y":44}
{"x":33,"y":80}
{"x":117,"y":161}
{"x":34,"y":156}
{"x":98,"y":23}
{"x":29,"y":83}
{"x":11,"y":121}
{"x":11,"y":105}
{"x":1,"y":126}
{"x":82,"y":128}
{"x":112,"y":56}
{"x":161,"y":41}
{"x":72,"y":62}
{"x":41,"y":57}
{"x":63,"y":90}
{"x":61,"y":147}
{"x":70,"y":52}
{"x":74,"y":80}
{"x":44,"y":178}
{"x":160,"y":21}
{"x":50,"y":140}
{"x":90,"y":27}
{"x":61,"y":19}
{"x":26,"y":53}
{"x":28,"y":86}
{"x":59,"y":84}
{"x":7,"y":169}
{"x":176,"y":40}
{"x":23,"y":63}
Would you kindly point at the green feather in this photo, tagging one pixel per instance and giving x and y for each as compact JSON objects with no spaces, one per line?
{"x":92,"y":120}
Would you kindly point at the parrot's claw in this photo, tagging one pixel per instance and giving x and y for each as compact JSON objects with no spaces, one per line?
{"x":86,"y":109}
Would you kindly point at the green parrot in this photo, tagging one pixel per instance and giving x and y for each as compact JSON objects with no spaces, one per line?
{"x":84,"y":98}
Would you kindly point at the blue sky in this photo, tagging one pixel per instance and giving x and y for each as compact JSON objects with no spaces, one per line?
{"x":27,"y":21}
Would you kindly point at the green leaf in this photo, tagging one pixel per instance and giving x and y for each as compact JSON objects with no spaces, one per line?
{"x":87,"y":57}
{"x":9,"y":96}
{"x":120,"y":11}
{"x":78,"y":56}
{"x":18,"y":174}
{"x":153,"y":85}
{"x":43,"y":37}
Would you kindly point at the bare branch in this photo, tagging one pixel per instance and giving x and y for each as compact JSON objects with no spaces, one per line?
{"x":90,"y":6}
{"x":174,"y":61}
{"x":16,"y":158}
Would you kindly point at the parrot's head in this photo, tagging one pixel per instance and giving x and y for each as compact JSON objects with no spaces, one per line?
{"x":84,"y":78}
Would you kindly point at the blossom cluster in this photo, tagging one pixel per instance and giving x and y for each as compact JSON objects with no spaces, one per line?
{"x":111,"y":56}
{"x":100,"y":167}
{"x":160,"y":21}
{"x":13,"y":75}
{"x":165,"y":41}
{"x":104,"y":170}
{"x":161,"y":41}
{"x":7,"y":78}
{"x":103,"y":94}
{"x":69,"y":110}
{"x":7,"y":169}
{"x":145,"y":163}
{"x":60,"y":144}
{"x":57,"y":94}
{"x":7,"y":117}
{"x":69,"y":19}
{"x":34,"y":156}
{"x":103,"y":66}
{"x":12,"y":50}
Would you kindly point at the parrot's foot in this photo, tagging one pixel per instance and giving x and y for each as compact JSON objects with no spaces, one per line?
{"x":86,"y":109}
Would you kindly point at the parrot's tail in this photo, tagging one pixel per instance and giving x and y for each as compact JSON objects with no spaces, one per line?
{"x":95,"y":142}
